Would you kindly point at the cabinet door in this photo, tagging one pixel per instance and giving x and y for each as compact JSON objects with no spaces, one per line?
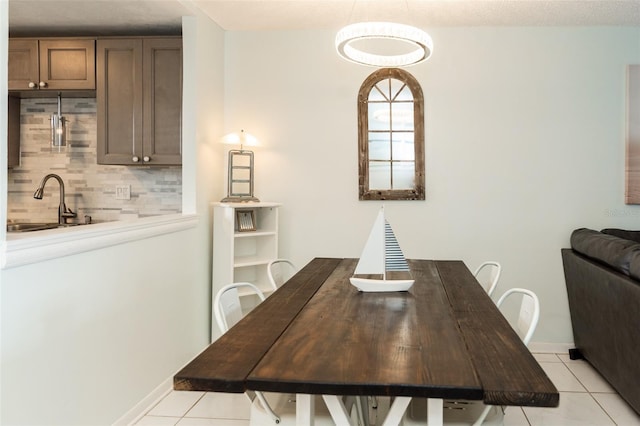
{"x":67,"y":64}
{"x":13,"y":132}
{"x":23,"y":64}
{"x":119,"y":101}
{"x":162,"y":101}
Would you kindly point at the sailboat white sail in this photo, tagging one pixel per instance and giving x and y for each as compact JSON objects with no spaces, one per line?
{"x":382,"y":266}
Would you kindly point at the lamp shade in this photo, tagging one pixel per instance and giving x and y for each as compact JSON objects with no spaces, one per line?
{"x":241,"y":138}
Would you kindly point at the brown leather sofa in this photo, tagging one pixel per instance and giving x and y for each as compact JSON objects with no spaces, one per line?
{"x":602,"y":273}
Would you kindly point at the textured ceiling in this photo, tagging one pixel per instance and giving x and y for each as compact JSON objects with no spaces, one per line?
{"x":68,"y":17}
{"x":299,"y":14}
{"x":96,"y":17}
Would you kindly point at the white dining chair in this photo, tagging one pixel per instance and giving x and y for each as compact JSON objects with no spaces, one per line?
{"x":464,"y":412}
{"x":490,"y":282}
{"x":228,"y":311}
{"x":279,"y":271}
{"x":264,"y":406}
{"x":528,"y":315}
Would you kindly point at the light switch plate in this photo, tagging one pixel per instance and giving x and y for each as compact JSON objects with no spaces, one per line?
{"x":123,"y":192}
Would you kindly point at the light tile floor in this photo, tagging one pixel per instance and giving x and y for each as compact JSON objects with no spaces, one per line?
{"x":586,"y":399}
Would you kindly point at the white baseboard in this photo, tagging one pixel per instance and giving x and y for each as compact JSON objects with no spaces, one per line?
{"x":140,"y":409}
{"x":550,"y":348}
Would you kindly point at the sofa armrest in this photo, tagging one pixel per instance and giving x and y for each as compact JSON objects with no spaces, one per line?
{"x":605,"y":313}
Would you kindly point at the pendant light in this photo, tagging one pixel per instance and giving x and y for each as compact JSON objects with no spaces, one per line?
{"x":353,"y":35}
{"x":58,"y":128}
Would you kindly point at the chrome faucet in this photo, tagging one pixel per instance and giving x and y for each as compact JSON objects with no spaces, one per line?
{"x":63,"y":212}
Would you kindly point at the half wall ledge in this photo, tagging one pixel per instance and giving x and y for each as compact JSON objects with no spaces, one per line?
{"x":33,"y":247}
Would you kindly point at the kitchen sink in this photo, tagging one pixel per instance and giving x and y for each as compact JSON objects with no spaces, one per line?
{"x":26,"y":227}
{"x":23,"y":227}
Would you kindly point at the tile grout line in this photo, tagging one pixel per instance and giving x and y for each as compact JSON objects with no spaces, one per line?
{"x":525,"y":416}
{"x":566,"y":364}
{"x":576,"y":377}
{"x":191,"y":408}
{"x":151,"y":407}
{"x":602,"y":408}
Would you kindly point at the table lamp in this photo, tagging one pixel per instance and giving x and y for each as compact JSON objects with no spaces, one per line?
{"x":240,"y":172}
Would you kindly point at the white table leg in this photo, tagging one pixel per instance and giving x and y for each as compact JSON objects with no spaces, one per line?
{"x":336,"y":408}
{"x":434,"y":412}
{"x":305,"y":410}
{"x":397,"y":410}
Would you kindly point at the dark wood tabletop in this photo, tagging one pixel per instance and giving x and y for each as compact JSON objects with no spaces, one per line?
{"x":317,"y":334}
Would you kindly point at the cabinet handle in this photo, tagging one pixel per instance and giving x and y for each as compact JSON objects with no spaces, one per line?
{"x":32,"y":85}
{"x":135,"y":159}
{"x":146,"y":158}
{"x":43,"y":84}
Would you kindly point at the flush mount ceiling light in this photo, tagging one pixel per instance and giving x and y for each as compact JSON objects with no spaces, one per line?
{"x":419,"y":42}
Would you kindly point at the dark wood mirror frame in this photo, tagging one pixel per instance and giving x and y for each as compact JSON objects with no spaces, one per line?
{"x":418,"y":190}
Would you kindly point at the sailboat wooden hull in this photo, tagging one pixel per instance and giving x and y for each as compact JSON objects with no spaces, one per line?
{"x":379,"y":286}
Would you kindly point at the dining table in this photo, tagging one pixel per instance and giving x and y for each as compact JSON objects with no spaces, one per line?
{"x":317,"y":334}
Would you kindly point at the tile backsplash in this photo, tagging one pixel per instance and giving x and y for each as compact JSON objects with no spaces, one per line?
{"x":90,"y":187}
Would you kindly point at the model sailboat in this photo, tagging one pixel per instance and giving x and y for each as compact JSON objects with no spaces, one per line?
{"x":382,"y":266}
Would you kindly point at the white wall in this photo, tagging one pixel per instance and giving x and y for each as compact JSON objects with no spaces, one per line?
{"x":4,"y":40}
{"x":4,"y":36}
{"x":524,"y":143}
{"x":86,"y":337}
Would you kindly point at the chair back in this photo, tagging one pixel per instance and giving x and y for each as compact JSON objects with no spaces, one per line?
{"x":227,"y":307}
{"x":488,"y":275}
{"x":279,"y":271}
{"x":228,"y":311}
{"x":529,"y":312}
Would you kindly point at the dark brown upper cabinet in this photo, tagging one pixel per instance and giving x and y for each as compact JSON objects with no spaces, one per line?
{"x":52,"y":64}
{"x":139,"y":101}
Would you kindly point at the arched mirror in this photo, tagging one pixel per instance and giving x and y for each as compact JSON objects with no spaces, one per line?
{"x":391,"y":137}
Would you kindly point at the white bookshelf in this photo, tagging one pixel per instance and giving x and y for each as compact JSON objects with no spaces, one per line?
{"x":243,"y":256}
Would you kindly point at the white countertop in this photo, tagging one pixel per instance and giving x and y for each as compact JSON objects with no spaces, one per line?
{"x":22,"y":248}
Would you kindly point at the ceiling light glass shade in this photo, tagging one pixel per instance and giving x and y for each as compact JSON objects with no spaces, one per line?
{"x":58,"y":128}
{"x":419,"y":40}
{"x":58,"y":131}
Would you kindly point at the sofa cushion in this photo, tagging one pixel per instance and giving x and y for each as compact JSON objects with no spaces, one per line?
{"x":614,"y":251}
{"x":623,"y":233}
